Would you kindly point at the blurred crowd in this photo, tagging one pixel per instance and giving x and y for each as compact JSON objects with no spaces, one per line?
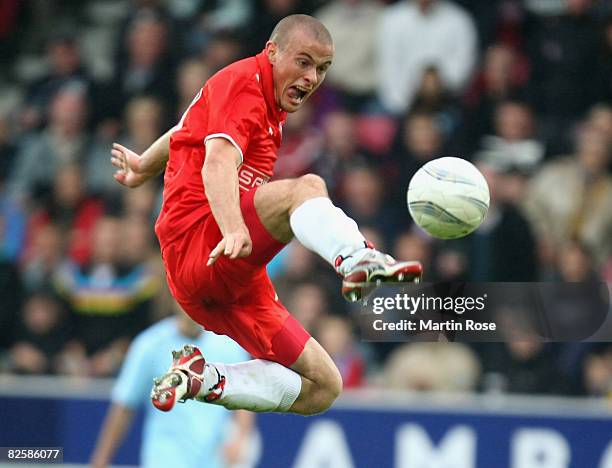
{"x":522,"y":88}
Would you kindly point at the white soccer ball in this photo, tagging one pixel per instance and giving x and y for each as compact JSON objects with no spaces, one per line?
{"x":448,"y":198}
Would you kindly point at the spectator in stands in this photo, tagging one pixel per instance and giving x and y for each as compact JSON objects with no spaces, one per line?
{"x":432,"y":97}
{"x":72,"y":211}
{"x":354,"y":26}
{"x":525,"y":366}
{"x":141,"y":203}
{"x":41,"y":334}
{"x":42,"y":258}
{"x":363,"y":199}
{"x":420,"y":140}
{"x":415,"y":35}
{"x":201,"y":443}
{"x":415,"y":244}
{"x":137,"y":246}
{"x":64,"y":69}
{"x":298,"y":265}
{"x":302,"y":144}
{"x":340,"y":150}
{"x":191,"y":76}
{"x":582,"y":210}
{"x":578,"y":311}
{"x":563,"y":55}
{"x":109,"y":298}
{"x":222,"y":49}
{"x":146,"y":67}
{"x":336,"y":336}
{"x":308,"y":304}
{"x":143,"y":122}
{"x":503,"y":248}
{"x":451,"y":367}
{"x":65,"y":141}
{"x":514,"y":145}
{"x":503,"y":77}
{"x":600,"y":118}
{"x":597,"y":371}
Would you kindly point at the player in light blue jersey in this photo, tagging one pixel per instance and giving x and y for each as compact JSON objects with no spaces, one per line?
{"x":204,"y":429}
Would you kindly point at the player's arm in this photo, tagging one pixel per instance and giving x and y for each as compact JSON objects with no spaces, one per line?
{"x":220,"y":177}
{"x":234,"y":449}
{"x":113,"y":431}
{"x":134,"y":170}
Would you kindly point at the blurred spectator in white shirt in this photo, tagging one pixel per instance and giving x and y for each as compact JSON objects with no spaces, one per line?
{"x":419,"y":34}
{"x":354,"y":26}
{"x":569,"y":199}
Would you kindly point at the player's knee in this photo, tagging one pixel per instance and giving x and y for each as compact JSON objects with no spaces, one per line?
{"x":331,"y":386}
{"x":335,"y":384}
{"x":313,"y":184}
{"x":326,"y":393}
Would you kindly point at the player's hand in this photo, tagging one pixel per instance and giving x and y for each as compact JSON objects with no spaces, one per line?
{"x":233,"y":245}
{"x":129,"y":167}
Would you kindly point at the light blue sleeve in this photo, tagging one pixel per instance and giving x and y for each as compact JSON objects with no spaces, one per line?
{"x":133,"y":384}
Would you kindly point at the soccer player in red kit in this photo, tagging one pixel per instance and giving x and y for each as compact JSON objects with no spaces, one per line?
{"x":221,"y":223}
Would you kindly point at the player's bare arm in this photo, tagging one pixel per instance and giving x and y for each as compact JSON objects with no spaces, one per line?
{"x":134,"y":170}
{"x":235,"y":448}
{"x":220,"y":177}
{"x":115,"y":426}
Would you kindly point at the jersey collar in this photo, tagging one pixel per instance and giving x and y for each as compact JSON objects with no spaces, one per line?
{"x":267,"y":84}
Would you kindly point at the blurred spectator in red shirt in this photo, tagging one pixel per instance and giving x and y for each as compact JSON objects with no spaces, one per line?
{"x":71,"y":210}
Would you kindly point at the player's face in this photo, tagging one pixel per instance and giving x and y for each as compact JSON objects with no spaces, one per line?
{"x":298,"y":69}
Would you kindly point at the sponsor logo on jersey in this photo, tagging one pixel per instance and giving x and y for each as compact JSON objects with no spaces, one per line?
{"x":249,"y":177}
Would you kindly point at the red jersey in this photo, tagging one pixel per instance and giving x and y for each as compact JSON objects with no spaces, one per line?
{"x":237,"y":104}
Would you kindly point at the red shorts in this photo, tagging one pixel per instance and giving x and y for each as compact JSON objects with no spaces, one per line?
{"x":234,"y":297}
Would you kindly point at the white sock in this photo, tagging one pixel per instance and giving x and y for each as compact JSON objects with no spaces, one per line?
{"x":256,"y":385}
{"x":327,"y":230}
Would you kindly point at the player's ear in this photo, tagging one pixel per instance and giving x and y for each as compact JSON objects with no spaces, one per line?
{"x":272,"y":49}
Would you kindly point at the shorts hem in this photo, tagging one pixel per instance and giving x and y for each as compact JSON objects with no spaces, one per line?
{"x":289,"y":342}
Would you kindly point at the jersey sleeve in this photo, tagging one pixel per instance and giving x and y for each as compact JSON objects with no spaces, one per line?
{"x":230,"y":107}
{"x":235,"y":111}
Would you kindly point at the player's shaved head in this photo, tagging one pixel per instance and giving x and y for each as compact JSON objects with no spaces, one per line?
{"x":286,"y":27}
{"x":300,"y":51}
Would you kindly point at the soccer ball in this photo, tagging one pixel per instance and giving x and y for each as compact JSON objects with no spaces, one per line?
{"x":448,"y":198}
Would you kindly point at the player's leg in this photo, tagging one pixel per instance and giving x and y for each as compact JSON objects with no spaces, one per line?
{"x":309,"y":387}
{"x":321,"y":380}
{"x":301,"y":207}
